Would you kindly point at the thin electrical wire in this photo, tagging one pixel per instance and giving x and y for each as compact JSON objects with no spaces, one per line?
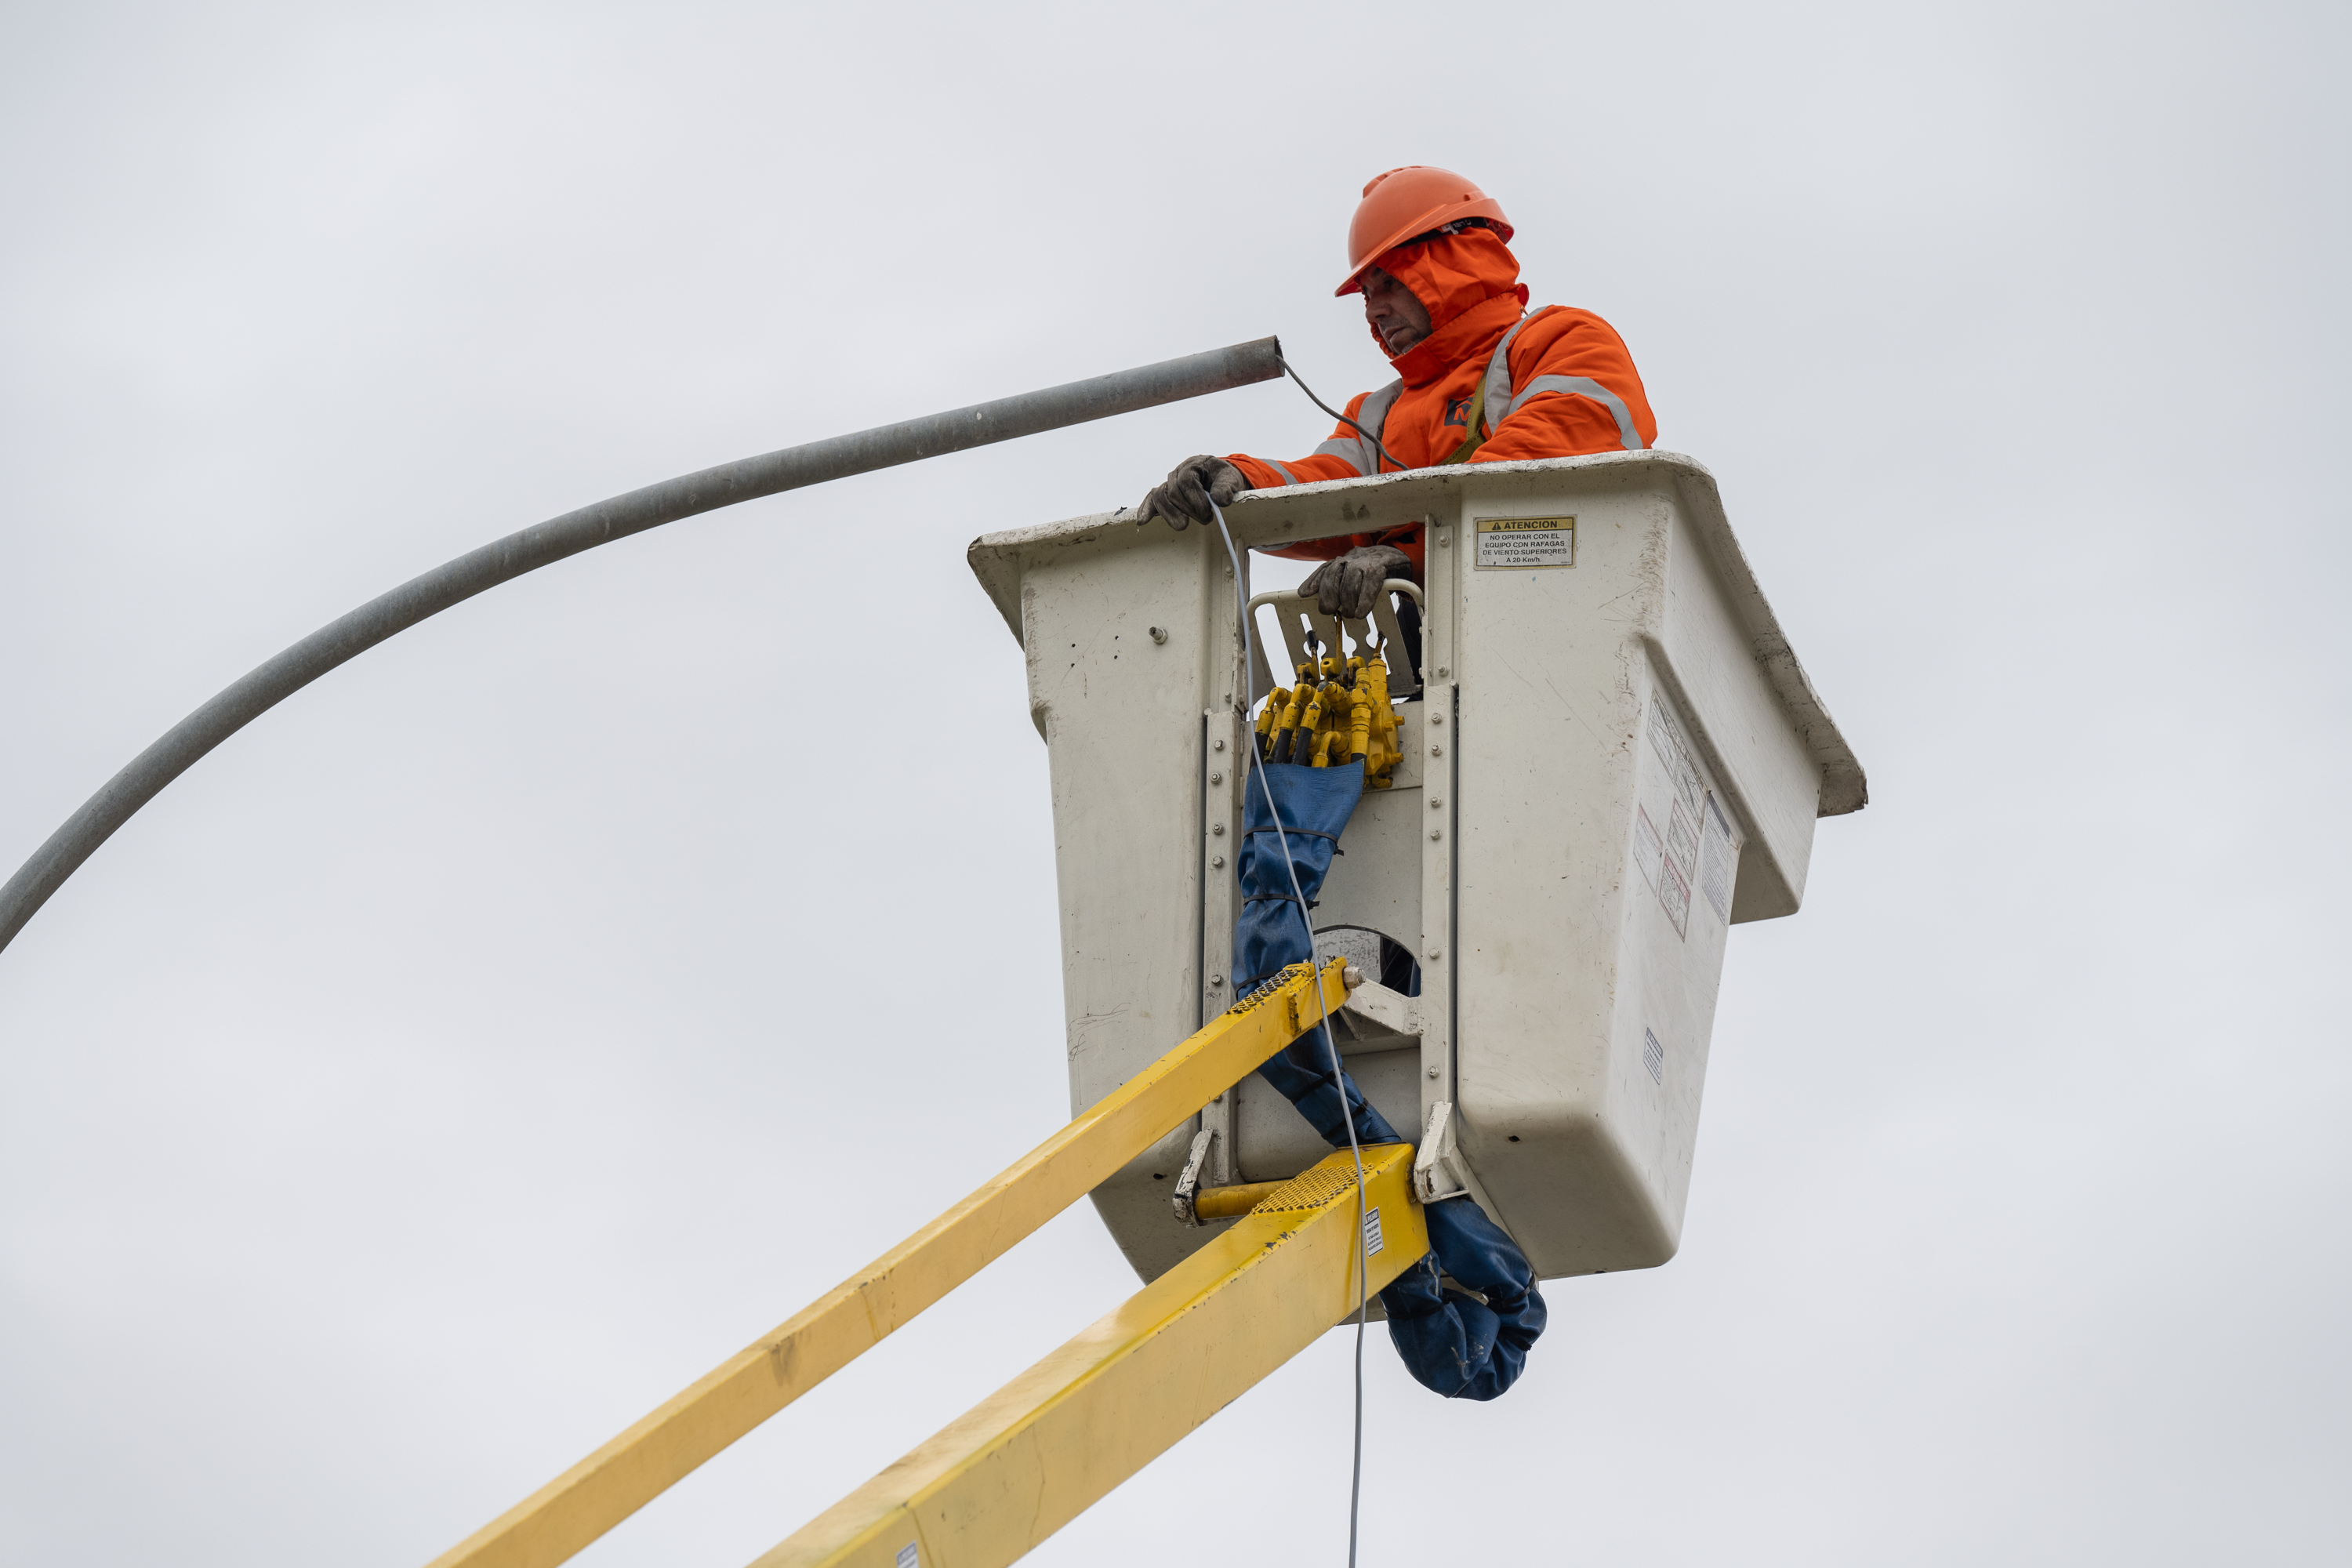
{"x":1322,"y":1013}
{"x":1335,"y":414}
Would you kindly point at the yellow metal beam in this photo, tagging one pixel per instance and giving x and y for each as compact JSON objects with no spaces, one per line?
{"x":622,"y":1476}
{"x":1055,"y":1440}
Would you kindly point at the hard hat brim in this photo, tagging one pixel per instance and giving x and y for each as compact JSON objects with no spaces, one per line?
{"x":1436,"y":217}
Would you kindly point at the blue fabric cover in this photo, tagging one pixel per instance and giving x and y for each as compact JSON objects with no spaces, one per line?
{"x":1315,"y":805}
{"x":1301,"y":1074}
{"x":1449,"y":1343}
{"x":1273,"y":932}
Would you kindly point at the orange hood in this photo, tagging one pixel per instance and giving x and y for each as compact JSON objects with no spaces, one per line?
{"x":1452,"y":275}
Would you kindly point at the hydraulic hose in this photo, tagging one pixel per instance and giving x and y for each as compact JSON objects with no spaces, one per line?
{"x":545,"y":543}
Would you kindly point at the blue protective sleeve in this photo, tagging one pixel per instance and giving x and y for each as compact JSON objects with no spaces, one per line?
{"x":1272,"y":932}
{"x":1314,"y":805}
{"x":1301,"y":1073}
{"x":1449,"y":1343}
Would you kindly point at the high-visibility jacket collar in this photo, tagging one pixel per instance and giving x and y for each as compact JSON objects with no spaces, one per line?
{"x":1469,"y":284}
{"x":1470,"y":335}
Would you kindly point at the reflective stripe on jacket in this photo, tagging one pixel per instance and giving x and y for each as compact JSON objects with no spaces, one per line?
{"x":1557,"y":384}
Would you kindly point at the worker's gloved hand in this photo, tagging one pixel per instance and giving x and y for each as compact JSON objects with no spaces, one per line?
{"x":1349,"y":587}
{"x":1190,"y":487}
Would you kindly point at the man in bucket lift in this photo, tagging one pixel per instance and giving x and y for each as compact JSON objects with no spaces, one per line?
{"x":1478,"y":380}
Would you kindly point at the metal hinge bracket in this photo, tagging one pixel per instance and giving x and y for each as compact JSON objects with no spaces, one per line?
{"x":1188,"y":1185}
{"x":1438,"y":1171}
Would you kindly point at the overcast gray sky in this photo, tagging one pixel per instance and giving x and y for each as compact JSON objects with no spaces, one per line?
{"x":505,"y":1029}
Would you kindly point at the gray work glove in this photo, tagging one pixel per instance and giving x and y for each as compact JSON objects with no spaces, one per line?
{"x":1190,"y":487}
{"x":1349,"y":587}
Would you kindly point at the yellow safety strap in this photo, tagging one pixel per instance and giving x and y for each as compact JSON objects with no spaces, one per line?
{"x":1475,"y":440}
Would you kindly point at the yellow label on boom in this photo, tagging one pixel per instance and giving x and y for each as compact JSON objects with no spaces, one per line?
{"x":1525,"y":544}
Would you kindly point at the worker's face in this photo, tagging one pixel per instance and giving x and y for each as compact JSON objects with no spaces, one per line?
{"x":1398,"y":319}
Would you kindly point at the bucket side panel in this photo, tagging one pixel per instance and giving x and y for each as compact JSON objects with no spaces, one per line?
{"x":1681,"y":858}
{"x":1743,"y":730}
{"x":1550,"y":700}
{"x":1121,"y":715}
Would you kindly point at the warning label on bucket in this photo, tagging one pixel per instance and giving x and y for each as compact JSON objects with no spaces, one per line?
{"x":1714,"y":854}
{"x":1524,"y":544}
{"x":1673,"y":892}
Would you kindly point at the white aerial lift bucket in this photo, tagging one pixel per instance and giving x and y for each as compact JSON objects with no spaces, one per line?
{"x":1612,"y":758}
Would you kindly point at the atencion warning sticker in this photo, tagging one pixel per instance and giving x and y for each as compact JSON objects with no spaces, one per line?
{"x":1526,"y":544}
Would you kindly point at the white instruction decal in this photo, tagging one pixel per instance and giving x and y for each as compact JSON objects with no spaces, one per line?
{"x":1662,"y":737}
{"x":1654,"y":1057}
{"x":1523,"y":543}
{"x":1372,"y":1243}
{"x":1681,"y":842}
{"x":1715,"y":859}
{"x":1647,"y":849}
{"x":1665,"y":734}
{"x":908,"y":1557}
{"x":1673,"y":892}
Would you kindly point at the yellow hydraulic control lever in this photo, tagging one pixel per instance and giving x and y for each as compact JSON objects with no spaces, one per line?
{"x":635,"y":1467}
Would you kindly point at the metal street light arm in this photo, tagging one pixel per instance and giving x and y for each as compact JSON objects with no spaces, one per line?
{"x":545,"y":543}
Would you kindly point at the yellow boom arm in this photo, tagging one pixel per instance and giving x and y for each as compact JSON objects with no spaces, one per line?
{"x":1038,"y":1452}
{"x":622,"y":1476}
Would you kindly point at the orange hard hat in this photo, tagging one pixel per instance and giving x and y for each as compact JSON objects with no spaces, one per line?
{"x":1409,"y":201}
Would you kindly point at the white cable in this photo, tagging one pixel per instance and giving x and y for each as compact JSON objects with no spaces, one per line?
{"x":1323,"y":1013}
{"x":1370,"y":436}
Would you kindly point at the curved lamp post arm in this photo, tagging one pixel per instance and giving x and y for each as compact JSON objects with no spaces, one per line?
{"x":548,"y":543}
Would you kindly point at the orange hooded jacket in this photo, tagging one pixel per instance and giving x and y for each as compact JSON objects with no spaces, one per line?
{"x":1562,"y":384}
